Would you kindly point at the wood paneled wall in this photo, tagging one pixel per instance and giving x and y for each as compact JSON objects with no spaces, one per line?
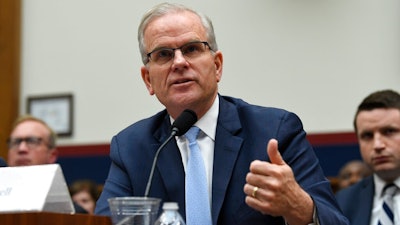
{"x":10,"y":42}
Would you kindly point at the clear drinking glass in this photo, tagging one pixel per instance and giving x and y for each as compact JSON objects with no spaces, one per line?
{"x":134,"y":210}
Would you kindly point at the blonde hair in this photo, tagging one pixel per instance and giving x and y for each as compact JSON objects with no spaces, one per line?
{"x":27,"y":117}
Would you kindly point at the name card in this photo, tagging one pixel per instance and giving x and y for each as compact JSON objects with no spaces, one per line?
{"x":34,"y":188}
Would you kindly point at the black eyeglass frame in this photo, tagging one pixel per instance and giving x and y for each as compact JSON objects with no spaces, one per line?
{"x":32,"y":142}
{"x":174,"y":49}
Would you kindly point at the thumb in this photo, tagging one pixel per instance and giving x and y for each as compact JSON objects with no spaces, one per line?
{"x":273,"y":153}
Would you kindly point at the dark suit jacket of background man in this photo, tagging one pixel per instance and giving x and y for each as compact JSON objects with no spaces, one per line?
{"x":356,"y":201}
{"x":242,"y":134}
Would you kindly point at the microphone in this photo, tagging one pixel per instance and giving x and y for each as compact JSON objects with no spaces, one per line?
{"x":2,"y":162}
{"x":180,"y":126}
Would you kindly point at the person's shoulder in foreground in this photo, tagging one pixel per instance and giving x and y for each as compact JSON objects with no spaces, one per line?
{"x":261,"y":168}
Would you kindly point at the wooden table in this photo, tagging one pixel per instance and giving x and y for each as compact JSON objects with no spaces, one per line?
{"x":48,"y":218}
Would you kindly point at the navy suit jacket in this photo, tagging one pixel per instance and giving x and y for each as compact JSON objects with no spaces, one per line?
{"x":242,"y":134}
{"x":356,"y":201}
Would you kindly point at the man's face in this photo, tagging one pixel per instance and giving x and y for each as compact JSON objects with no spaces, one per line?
{"x":29,"y":145}
{"x":182,"y":82}
{"x":378,"y":132}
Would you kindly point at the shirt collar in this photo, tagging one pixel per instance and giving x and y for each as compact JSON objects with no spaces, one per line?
{"x":208,"y":123}
{"x":380,"y":184}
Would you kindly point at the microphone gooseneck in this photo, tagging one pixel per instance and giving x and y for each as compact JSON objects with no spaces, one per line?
{"x":180,"y":126}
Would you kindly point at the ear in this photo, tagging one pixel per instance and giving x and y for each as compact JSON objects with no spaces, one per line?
{"x":53,"y":155}
{"x":218,"y":61}
{"x":146,"y":79}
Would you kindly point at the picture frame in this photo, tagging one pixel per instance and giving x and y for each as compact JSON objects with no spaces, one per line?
{"x":56,"y":110}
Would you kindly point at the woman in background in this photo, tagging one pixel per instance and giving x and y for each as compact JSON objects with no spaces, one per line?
{"x":85,"y":193}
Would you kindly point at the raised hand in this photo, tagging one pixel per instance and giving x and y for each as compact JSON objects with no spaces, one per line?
{"x":272,"y":189}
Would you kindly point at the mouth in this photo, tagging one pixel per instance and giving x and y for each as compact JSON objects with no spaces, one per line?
{"x":23,"y":162}
{"x":380,"y":160}
{"x":181,"y":81}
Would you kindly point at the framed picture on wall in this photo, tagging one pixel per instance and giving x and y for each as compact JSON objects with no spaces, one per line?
{"x":55,"y":110}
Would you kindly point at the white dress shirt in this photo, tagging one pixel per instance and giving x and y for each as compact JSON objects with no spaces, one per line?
{"x":205,"y":140}
{"x":378,"y":201}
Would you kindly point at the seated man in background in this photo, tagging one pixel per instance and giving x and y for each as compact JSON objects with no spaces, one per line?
{"x":376,"y":199}
{"x":352,"y":172}
{"x":31,"y":142}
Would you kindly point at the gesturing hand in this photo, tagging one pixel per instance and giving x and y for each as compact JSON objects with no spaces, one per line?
{"x":272,"y":189}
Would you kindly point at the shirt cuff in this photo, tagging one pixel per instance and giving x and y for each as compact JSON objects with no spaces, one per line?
{"x":315,"y":217}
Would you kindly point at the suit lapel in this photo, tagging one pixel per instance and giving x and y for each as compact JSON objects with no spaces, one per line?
{"x":226,"y":151}
{"x":366,"y":195}
{"x":172,"y":173}
{"x":169,"y":166}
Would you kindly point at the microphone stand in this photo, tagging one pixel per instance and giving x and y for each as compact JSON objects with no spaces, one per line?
{"x":173,"y":133}
{"x":179,"y":127}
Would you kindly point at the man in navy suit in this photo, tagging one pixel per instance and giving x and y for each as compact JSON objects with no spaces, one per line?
{"x":250,"y":181}
{"x":377,"y":125}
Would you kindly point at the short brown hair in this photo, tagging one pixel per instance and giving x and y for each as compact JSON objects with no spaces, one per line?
{"x":384,"y":99}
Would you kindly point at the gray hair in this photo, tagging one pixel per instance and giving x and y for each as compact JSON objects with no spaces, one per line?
{"x":164,"y":9}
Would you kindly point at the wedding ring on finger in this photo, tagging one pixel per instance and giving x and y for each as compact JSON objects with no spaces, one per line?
{"x":255,"y":189}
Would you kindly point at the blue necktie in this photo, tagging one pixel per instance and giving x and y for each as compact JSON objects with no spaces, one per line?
{"x":198,"y":210}
{"x":386,"y":215}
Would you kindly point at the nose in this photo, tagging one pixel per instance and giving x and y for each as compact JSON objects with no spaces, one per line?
{"x":179,"y":61}
{"x":379,"y":143}
{"x":22,"y":147}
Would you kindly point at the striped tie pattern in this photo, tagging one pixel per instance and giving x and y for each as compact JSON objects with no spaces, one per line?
{"x":198,"y":210}
{"x":386,"y":216}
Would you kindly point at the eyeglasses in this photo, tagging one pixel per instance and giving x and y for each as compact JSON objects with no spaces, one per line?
{"x":31,"y":142}
{"x":189,"y":50}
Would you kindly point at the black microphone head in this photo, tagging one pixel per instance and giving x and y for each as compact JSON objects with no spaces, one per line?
{"x":2,"y":162}
{"x":184,"y":121}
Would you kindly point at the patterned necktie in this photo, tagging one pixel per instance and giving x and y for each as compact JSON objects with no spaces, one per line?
{"x":198,"y":210}
{"x":386,"y":216}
